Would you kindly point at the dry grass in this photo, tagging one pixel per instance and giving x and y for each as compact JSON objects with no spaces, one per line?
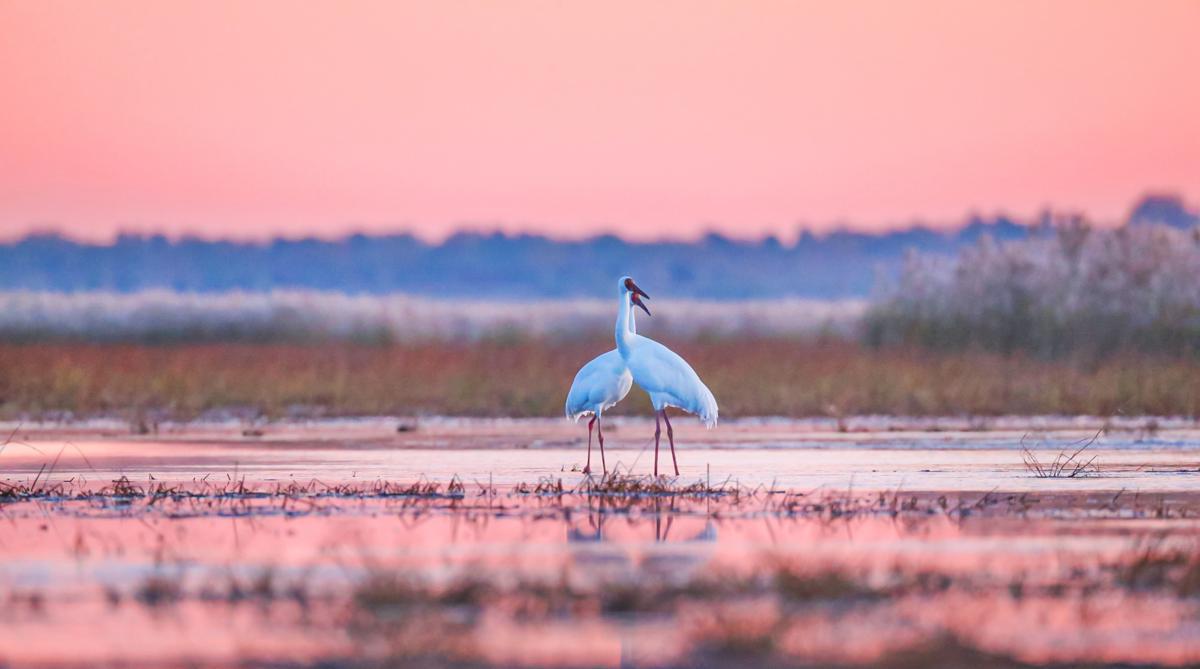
{"x":1069,"y":463}
{"x":530,"y":378}
{"x":621,"y":485}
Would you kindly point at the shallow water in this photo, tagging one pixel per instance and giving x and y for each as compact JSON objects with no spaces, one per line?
{"x":963,"y":544}
{"x":865,"y":466}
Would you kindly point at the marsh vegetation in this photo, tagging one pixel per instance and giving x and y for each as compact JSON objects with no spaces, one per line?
{"x":759,"y":377}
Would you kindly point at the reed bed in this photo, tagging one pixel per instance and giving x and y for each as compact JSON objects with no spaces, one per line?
{"x":1069,"y":291}
{"x":750,"y":377}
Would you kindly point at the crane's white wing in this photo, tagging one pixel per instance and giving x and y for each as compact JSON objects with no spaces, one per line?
{"x":598,"y":385}
{"x":669,"y":379}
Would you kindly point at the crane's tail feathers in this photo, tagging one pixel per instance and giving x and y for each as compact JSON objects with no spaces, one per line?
{"x":574,"y":416}
{"x":708,"y":409}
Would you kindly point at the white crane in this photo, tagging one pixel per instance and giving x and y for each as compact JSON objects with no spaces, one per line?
{"x":599,"y":385}
{"x":667,"y":378}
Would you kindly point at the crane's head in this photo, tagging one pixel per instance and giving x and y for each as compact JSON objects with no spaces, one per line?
{"x":636,"y":294}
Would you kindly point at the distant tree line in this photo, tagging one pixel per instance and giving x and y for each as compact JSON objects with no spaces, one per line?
{"x":486,"y":266}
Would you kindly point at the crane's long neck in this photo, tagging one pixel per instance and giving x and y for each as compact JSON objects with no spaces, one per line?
{"x":626,"y":328}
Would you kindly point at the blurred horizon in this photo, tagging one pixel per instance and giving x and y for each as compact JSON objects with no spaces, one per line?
{"x":1162,"y":205}
{"x":480,"y":265}
{"x":259,"y":120}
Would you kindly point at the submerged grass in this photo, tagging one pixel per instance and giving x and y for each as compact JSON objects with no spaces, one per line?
{"x":1155,"y":567}
{"x":385,"y":591}
{"x":615,"y":494}
{"x":529,"y":377}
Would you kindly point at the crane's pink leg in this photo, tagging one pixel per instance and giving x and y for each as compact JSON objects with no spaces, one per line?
{"x":587,"y":469}
{"x":657,"y":431}
{"x":600,"y":433}
{"x":671,"y":438}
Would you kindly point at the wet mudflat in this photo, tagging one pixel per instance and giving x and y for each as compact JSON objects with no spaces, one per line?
{"x":482,"y":545}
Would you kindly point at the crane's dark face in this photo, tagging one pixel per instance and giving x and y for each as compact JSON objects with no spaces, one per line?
{"x":636,"y":294}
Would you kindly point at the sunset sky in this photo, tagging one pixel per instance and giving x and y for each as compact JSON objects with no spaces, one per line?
{"x":651,"y":119}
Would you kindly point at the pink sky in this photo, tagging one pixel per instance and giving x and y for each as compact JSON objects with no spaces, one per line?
{"x":656,"y":119}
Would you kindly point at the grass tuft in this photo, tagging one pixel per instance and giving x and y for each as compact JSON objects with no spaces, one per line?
{"x":1067,"y":464}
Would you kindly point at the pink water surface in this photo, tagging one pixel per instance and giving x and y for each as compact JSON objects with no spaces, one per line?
{"x":73,"y":567}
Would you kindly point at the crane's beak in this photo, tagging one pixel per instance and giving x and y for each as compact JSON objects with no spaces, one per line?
{"x":638,"y":301}
{"x":637,"y":296}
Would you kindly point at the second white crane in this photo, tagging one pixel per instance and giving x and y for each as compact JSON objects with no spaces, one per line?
{"x":667,"y":378}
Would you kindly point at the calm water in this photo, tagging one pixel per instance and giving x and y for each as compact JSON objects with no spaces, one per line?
{"x":1003,"y":563}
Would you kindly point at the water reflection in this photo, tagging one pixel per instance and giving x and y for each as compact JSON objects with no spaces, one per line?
{"x":213,"y":574}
